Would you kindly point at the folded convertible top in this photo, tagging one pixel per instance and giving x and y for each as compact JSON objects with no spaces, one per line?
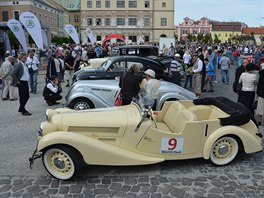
{"x":239,"y":114}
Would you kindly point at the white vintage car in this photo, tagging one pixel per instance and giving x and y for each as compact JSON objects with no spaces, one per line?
{"x":215,"y":128}
{"x":89,"y":94}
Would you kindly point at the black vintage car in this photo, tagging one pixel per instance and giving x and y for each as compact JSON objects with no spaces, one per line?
{"x":118,"y":65}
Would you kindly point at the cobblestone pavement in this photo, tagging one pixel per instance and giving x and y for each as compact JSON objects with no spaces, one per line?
{"x":244,"y":177}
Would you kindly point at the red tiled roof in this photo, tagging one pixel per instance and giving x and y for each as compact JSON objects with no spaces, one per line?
{"x":254,"y":30}
{"x":226,"y":26}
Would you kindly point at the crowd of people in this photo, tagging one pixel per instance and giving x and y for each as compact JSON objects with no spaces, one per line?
{"x":198,"y":65}
{"x":193,"y":64}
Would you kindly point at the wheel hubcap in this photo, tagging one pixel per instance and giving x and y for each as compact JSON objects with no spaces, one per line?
{"x":59,"y":163}
{"x":223,"y":150}
{"x":81,"y":106}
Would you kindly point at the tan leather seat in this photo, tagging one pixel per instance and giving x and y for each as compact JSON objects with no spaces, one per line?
{"x":175,"y":118}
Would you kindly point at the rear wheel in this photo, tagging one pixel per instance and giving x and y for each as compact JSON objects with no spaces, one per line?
{"x":81,"y":104}
{"x":61,"y":162}
{"x":224,"y":150}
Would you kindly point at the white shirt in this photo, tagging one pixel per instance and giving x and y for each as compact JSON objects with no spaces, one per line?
{"x":248,"y":81}
{"x":25,"y":76}
{"x":199,"y":68}
{"x":52,"y":87}
{"x":151,"y":87}
{"x":186,"y":58}
{"x":32,"y":63}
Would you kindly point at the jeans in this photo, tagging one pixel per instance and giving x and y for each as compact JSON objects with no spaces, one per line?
{"x":33,"y":81}
{"x":225,"y":76}
{"x":187,"y":79}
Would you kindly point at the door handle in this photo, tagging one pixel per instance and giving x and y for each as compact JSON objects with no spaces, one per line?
{"x":147,"y":138}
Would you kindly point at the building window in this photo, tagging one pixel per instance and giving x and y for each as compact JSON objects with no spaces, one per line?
{"x":146,"y":38}
{"x":107,"y":4}
{"x":219,"y":34}
{"x":5,"y":15}
{"x":120,"y":21}
{"x":16,"y":15}
{"x":35,"y":13}
{"x":132,"y":4}
{"x":40,"y":17}
{"x":195,"y":32}
{"x":164,"y":4}
{"x":226,"y":35}
{"x":98,"y":38}
{"x":163,"y":22}
{"x":89,"y":4}
{"x":184,"y":31}
{"x":98,"y":21}
{"x":76,"y":18}
{"x":132,"y":21}
{"x":133,"y":38}
{"x":147,"y":4}
{"x":120,"y":3}
{"x":89,"y":21}
{"x":107,"y":21}
{"x":98,"y":4}
{"x":205,"y":31}
{"x":146,"y":21}
{"x":46,"y":19}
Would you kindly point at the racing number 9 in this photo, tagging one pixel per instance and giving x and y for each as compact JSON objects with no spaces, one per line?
{"x":172,"y":143}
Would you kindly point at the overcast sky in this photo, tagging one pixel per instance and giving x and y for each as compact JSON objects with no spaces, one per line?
{"x":250,"y":12}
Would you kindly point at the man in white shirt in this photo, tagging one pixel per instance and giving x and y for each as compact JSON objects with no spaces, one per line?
{"x":197,"y":75}
{"x":32,"y":64}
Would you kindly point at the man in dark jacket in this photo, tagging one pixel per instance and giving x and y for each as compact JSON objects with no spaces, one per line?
{"x":239,"y":71}
{"x":20,"y":77}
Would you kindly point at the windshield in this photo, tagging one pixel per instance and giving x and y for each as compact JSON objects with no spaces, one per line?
{"x":143,"y":101}
{"x":105,"y":65}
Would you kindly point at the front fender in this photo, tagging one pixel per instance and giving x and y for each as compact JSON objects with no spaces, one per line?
{"x":251,"y":143}
{"x":95,"y":151}
{"x":97,"y":101}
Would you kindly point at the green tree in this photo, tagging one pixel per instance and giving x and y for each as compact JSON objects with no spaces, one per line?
{"x":216,"y":39}
{"x":12,"y":38}
{"x":207,"y":38}
{"x":60,"y":39}
{"x":190,"y":37}
{"x":200,"y":37}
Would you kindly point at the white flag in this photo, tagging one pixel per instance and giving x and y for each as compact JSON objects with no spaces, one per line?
{"x":18,"y":31}
{"x":31,"y":22}
{"x":70,"y":29}
{"x":90,"y":35}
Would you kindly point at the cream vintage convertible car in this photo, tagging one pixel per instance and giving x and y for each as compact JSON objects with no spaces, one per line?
{"x":211,"y":128}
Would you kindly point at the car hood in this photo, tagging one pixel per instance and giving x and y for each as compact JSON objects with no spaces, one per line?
{"x":111,"y":119}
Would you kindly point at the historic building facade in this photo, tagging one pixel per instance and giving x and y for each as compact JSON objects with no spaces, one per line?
{"x":136,"y":20}
{"x":190,"y":26}
{"x":225,"y":31}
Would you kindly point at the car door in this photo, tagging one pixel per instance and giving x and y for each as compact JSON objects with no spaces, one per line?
{"x":188,"y":143}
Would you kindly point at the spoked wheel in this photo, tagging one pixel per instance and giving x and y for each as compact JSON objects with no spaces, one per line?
{"x":224,"y":150}
{"x":61,"y":162}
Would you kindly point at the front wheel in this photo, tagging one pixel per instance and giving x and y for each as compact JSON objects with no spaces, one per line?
{"x":224,"y":150}
{"x":61,"y":162}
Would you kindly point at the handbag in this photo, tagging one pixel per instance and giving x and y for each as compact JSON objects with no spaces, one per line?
{"x":30,"y":70}
{"x":118,"y":100}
